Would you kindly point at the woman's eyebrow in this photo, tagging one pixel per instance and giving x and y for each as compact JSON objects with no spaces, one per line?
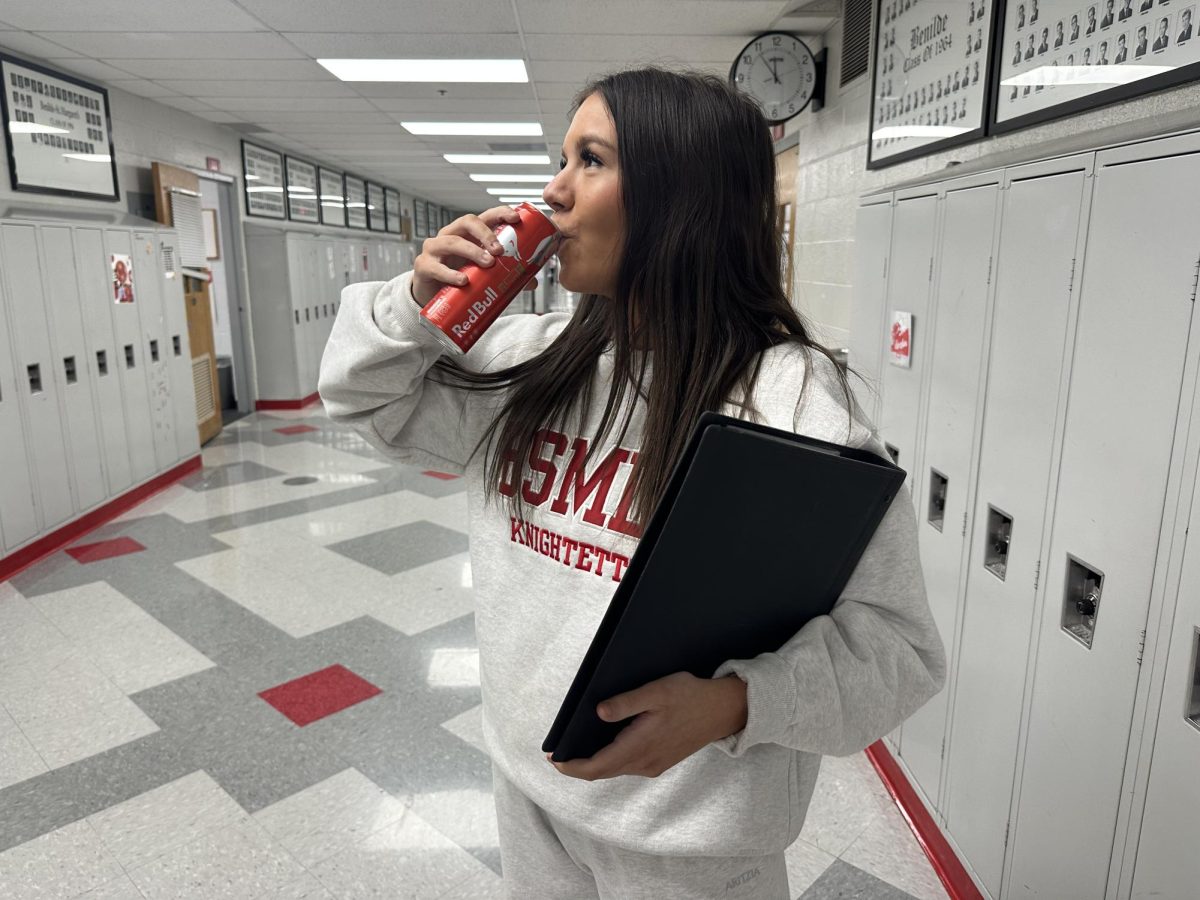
{"x":586,"y":139}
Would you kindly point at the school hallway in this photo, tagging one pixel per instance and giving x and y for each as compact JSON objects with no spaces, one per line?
{"x":263,"y":682}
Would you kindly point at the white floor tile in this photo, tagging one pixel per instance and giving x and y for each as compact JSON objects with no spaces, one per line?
{"x":307,"y":887}
{"x":118,"y":889}
{"x":805,"y":864}
{"x":153,"y":506}
{"x":889,"y":851}
{"x":62,"y":863}
{"x":145,"y":827}
{"x":27,"y":638}
{"x":231,"y":863}
{"x":842,"y":806}
{"x":18,"y":759}
{"x":469,"y":727}
{"x":467,"y":817}
{"x":427,"y":596}
{"x":226,"y":501}
{"x":329,"y":817}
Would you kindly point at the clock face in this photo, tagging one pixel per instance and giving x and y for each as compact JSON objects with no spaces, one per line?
{"x":779,"y":72}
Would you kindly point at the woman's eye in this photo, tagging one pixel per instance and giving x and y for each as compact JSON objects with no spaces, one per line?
{"x":589,"y":158}
{"x":562,"y":163}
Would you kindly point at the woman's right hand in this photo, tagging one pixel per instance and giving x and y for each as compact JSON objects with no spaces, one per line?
{"x":469,"y":239}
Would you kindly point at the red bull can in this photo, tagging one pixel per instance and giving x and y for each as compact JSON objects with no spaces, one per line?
{"x":459,"y":315}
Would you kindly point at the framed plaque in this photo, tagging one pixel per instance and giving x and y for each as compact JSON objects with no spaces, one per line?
{"x":929,"y":85}
{"x":58,"y":132}
{"x":333,"y":197}
{"x":391,"y":206}
{"x":262,"y":174}
{"x":376,"y":215}
{"x":356,"y":202}
{"x":1058,"y":58}
{"x":302,"y":201}
{"x":419,"y":225}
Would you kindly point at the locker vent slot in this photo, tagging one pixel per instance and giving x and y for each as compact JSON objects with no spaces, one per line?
{"x":938,"y":484}
{"x":856,"y":39}
{"x":1192,"y":714}
{"x":306,"y":314}
{"x":102,"y":361}
{"x":893,"y":452}
{"x":154,"y":351}
{"x":297,"y":312}
{"x":129,"y":361}
{"x":35,"y":378}
{"x":999,"y":534}
{"x":69,"y":369}
{"x":168,"y":260}
{"x":176,"y":345}
{"x":202,"y":379}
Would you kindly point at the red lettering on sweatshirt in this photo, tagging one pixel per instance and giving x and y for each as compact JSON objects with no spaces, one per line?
{"x":589,"y":557}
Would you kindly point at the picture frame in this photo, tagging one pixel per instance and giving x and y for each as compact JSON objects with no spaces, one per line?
{"x":303,"y":191}
{"x":1097,"y":61}
{"x":930,"y":77}
{"x":333,"y":197}
{"x":61,"y":143}
{"x":376,"y":207}
{"x":356,"y":201}
{"x":263,"y":181}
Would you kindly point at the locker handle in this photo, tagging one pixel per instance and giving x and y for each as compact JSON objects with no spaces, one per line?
{"x":297,"y":312}
{"x":129,"y":358}
{"x":102,"y":361}
{"x":35,"y":378}
{"x":154,"y":351}
{"x":177,"y":345}
{"x":69,"y":369}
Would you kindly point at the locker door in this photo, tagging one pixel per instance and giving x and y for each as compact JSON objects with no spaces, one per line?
{"x":155,"y":347}
{"x":1135,"y":310}
{"x":73,"y":368}
{"x":95,"y":299}
{"x":295,"y":287}
{"x":179,"y":352}
{"x":942,"y":489}
{"x":1167,"y":864}
{"x":37,"y":386}
{"x":872,"y":234}
{"x":18,"y":512}
{"x":131,"y":362}
{"x":911,"y":263}
{"x":312,"y":324}
{"x":1038,"y":236}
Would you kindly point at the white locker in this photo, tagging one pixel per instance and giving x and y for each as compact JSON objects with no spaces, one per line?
{"x":872,"y":235}
{"x":911,"y":263}
{"x":74,"y":369}
{"x":95,"y":299}
{"x":131,"y":364}
{"x":38,"y":388}
{"x":1167,"y":864}
{"x":1038,"y":236}
{"x":18,"y":512}
{"x":274,"y":313}
{"x":954,"y":351}
{"x":155,"y":347}
{"x":1128,"y":362}
{"x":178,"y":350}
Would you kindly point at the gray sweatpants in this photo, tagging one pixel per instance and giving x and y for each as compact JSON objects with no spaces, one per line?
{"x":543,"y":859}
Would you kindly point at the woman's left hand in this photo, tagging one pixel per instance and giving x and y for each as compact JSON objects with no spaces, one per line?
{"x":675,"y":716}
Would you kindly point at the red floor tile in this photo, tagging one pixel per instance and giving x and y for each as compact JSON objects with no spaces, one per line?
{"x":319,"y":694}
{"x":296,"y":429}
{"x":445,"y":476}
{"x":89,"y":553}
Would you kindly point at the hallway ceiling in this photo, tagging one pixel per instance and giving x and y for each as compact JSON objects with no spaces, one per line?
{"x":251,"y":65}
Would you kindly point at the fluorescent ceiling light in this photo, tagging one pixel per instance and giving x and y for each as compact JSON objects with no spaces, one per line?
{"x":509,"y":71}
{"x":299,"y":189}
{"x":499,"y":129}
{"x":35,"y":128}
{"x":543,"y":179}
{"x":497,"y":159}
{"x":534,"y":200}
{"x":1060,"y":76}
{"x":918,"y":131}
{"x":253,"y":177}
{"x":89,"y":157}
{"x":514,"y":191}
{"x":264,"y":189}
{"x":332,"y":197}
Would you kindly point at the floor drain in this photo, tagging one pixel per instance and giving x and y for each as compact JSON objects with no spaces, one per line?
{"x":300,"y":479}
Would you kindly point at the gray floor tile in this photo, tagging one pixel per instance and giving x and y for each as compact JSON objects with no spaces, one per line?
{"x":843,"y":881}
{"x":211,"y":477}
{"x":404,"y":547}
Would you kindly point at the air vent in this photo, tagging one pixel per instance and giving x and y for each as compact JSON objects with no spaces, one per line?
{"x":168,"y":260}
{"x":517,"y":148}
{"x":202,"y":382}
{"x":856,"y":39}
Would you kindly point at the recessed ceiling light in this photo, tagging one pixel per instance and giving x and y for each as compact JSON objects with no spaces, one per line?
{"x":514,"y":191}
{"x":531,"y":129}
{"x":531,"y":200}
{"x":541,"y":179}
{"x":510,"y":71}
{"x":497,"y":159}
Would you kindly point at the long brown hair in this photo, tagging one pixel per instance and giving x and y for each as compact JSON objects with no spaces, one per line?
{"x":701,"y":267}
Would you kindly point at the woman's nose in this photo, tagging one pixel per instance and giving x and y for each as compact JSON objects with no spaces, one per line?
{"x":556,"y":193}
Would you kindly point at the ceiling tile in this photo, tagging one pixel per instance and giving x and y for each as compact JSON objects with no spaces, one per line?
{"x":181,"y":45}
{"x":129,"y":15}
{"x":264,"y":107}
{"x":620,"y":49}
{"x":418,"y":90}
{"x":227,"y":69}
{"x":479,"y":16}
{"x":187,"y":104}
{"x":89,"y":68}
{"x":668,"y":17}
{"x":24,"y":43}
{"x":579,"y":73}
{"x":313,"y":89}
{"x":407,"y":45}
{"x":143,"y":88}
{"x":484,"y":108}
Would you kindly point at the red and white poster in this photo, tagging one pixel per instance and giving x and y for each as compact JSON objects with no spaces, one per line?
{"x":122,"y":277}
{"x":902,"y":339}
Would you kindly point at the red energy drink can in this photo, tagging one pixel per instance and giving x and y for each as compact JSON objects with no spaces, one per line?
{"x":459,"y":315}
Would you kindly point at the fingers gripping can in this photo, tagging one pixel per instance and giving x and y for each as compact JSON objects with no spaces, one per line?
{"x":459,"y":315}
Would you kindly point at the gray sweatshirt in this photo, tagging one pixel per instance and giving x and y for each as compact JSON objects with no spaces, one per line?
{"x":542,"y":585}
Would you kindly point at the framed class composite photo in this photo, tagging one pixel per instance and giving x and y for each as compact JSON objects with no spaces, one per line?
{"x":1061,"y":57}
{"x":262,"y":177}
{"x":356,"y":201}
{"x":303,"y":203}
{"x":929,"y":83}
{"x":333,"y":197}
{"x":376,"y":213}
{"x":57,"y":131}
{"x":391,"y":206}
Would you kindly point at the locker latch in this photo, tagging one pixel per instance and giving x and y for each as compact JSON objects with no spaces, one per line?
{"x":998,"y":537}
{"x":1081,"y":601}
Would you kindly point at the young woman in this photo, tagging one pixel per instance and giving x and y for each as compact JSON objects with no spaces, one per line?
{"x":566,"y":428}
